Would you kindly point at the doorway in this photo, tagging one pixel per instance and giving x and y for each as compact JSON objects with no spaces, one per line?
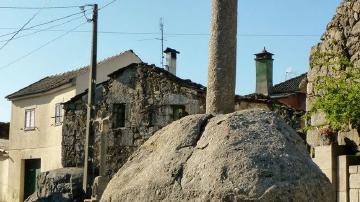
{"x":32,"y":170}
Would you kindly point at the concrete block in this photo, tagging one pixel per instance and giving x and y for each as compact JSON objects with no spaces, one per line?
{"x":342,"y":174}
{"x":323,"y":157}
{"x":342,"y":196}
{"x":353,"y":169}
{"x":354,"y":195}
{"x":354,"y":181}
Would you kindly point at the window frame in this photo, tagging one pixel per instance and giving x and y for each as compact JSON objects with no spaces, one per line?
{"x":31,"y":121}
{"x":58,"y":114}
{"x":175,"y":109}
{"x":119,"y":109}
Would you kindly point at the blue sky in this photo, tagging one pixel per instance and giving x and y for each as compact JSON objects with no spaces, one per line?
{"x":287,"y":28}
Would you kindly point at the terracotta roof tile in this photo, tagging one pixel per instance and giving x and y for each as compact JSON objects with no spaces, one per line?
{"x":288,"y":86}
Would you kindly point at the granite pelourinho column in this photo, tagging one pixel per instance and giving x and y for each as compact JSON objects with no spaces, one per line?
{"x":220,"y":96}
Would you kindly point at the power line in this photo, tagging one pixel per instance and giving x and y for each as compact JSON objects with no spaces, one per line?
{"x":11,"y":38}
{"x":106,"y":5}
{"x":48,"y":22}
{"x":35,"y":8}
{"x":53,"y":40}
{"x":180,"y":34}
{"x":52,"y":7}
{"x":40,"y":47}
{"x":45,"y":29}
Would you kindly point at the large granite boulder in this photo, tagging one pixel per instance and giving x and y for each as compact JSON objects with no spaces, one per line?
{"x":60,"y":185}
{"x":248,"y":155}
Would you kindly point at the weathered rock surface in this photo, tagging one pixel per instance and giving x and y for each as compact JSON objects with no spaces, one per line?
{"x":247,"y":155}
{"x":60,"y":185}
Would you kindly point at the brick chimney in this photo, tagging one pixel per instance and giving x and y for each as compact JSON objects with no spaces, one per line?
{"x":171,"y":60}
{"x":264,"y":72}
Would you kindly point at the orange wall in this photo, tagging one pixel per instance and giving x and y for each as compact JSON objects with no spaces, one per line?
{"x":295,"y":101}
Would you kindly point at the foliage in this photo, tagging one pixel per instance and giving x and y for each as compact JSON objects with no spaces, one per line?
{"x":339,"y":94}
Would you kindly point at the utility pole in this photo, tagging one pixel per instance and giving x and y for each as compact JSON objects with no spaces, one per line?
{"x":89,"y":167}
{"x":162,"y":41}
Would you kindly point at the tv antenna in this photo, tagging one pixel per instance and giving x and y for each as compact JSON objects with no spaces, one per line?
{"x":162,"y":41}
{"x":290,"y":73}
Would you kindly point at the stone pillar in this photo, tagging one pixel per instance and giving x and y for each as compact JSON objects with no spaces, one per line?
{"x":342,"y":187}
{"x":220,"y":96}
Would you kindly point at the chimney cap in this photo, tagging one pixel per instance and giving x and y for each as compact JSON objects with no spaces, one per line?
{"x":170,"y":50}
{"x":264,"y":54}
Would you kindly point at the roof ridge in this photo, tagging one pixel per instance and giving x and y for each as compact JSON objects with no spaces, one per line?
{"x":188,"y":82}
{"x":59,"y":79}
{"x":98,"y":63}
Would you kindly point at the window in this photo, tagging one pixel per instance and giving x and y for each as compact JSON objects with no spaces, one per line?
{"x":119,"y":115}
{"x":151,"y":117}
{"x":178,"y":112}
{"x":58,"y":113}
{"x":29,"y":119}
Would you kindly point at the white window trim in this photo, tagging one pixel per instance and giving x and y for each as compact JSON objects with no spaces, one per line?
{"x":58,"y":114}
{"x":29,"y":123}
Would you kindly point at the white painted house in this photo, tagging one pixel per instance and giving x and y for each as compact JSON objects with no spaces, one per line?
{"x":36,"y":122}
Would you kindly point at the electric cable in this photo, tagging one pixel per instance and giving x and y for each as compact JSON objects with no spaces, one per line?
{"x":45,"y":29}
{"x":53,"y":40}
{"x":178,"y":34}
{"x":48,"y":22}
{"x":106,"y":5}
{"x":17,"y":32}
{"x":42,"y":46}
{"x":34,"y":8}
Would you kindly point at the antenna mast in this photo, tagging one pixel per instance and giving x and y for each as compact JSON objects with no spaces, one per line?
{"x":162,"y":41}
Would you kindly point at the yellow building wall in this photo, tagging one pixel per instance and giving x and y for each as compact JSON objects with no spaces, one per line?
{"x":45,"y":141}
{"x":4,"y":167}
{"x":42,"y":143}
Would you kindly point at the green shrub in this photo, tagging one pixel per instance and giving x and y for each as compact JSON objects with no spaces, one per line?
{"x":339,"y":95}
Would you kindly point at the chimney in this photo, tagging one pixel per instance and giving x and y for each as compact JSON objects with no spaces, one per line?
{"x":264,"y":72}
{"x":171,"y":60}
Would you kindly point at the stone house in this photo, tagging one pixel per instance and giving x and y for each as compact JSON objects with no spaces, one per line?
{"x":136,"y":101}
{"x":36,"y":122}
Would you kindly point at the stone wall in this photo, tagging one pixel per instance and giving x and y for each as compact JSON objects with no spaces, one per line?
{"x":151,"y":97}
{"x":340,"y":40}
{"x":291,"y":116}
{"x":61,"y":185}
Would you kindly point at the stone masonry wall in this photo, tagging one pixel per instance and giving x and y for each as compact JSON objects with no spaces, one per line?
{"x":149,"y":95}
{"x":291,"y":116}
{"x":340,"y":40}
